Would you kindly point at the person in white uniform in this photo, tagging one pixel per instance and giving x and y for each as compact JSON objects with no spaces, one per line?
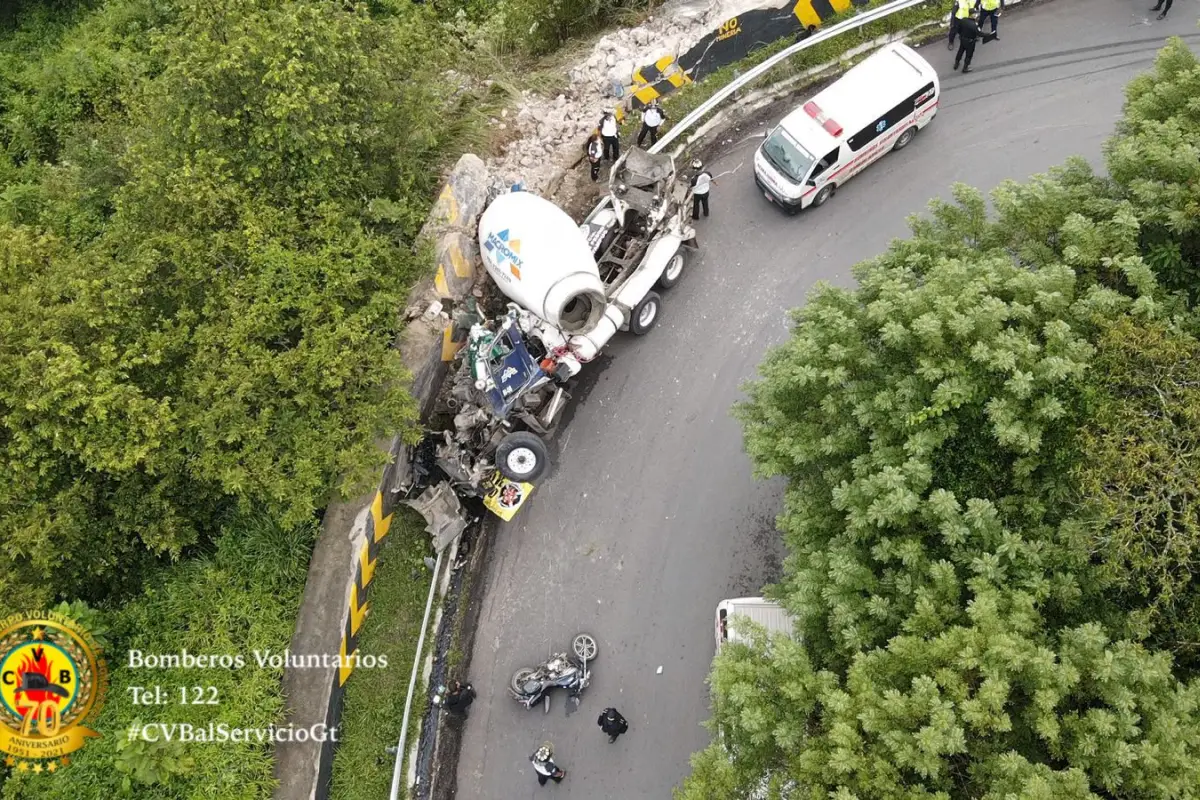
{"x":652,"y":117}
{"x":702,"y":181}
{"x":544,"y":766}
{"x":609,"y":133}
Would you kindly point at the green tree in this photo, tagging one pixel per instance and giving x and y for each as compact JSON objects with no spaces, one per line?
{"x":1155,"y":159}
{"x":198,"y":303}
{"x":991,"y":708}
{"x":951,"y":375}
{"x":955,"y":637}
{"x":1141,"y":480}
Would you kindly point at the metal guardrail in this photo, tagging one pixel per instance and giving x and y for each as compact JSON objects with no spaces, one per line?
{"x":857,"y":21}
{"x":412,"y":681}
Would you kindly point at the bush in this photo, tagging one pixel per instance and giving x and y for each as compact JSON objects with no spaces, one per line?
{"x":241,"y":597}
{"x":197,"y":301}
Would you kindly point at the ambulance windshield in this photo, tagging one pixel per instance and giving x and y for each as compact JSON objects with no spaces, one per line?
{"x":787,"y":156}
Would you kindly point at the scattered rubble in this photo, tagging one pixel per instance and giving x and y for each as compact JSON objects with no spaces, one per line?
{"x":549,"y":132}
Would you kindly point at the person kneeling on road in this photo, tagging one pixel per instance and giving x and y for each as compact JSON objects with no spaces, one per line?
{"x":459,"y":698}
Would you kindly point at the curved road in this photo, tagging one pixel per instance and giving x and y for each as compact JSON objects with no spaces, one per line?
{"x":651,"y":516}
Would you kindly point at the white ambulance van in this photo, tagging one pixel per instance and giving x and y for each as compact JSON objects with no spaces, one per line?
{"x":770,"y":615}
{"x":876,"y":107}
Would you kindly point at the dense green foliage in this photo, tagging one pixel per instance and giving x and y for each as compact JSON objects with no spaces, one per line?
{"x":240,"y":597}
{"x":534,"y":27}
{"x":206,"y":213}
{"x":991,"y":511}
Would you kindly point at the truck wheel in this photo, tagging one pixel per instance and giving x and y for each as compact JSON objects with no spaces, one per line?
{"x":904,"y":139}
{"x":645,"y":314}
{"x":823,"y":195}
{"x":522,"y":457}
{"x":672,"y":273}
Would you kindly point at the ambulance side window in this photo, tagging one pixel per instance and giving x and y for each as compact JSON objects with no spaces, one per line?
{"x":885,"y":123}
{"x":825,"y":163}
{"x":924,"y":96}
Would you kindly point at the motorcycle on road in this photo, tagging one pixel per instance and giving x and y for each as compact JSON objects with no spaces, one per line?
{"x":532,"y":685}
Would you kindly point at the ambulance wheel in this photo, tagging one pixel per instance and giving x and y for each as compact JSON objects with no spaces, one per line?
{"x":672,"y":273}
{"x":904,"y":139}
{"x":522,"y":457}
{"x":645,"y":314}
{"x":823,"y":195}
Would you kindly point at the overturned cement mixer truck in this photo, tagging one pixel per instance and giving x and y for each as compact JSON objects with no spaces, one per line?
{"x":572,"y":287}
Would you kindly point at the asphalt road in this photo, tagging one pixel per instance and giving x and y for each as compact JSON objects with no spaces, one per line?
{"x":652,"y":516}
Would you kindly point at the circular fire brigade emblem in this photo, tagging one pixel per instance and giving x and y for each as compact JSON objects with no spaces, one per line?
{"x":52,"y":680}
{"x":511,"y":495}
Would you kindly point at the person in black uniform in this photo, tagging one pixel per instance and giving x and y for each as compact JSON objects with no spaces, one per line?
{"x":968,"y":34}
{"x":1165,"y":8}
{"x":612,"y":723}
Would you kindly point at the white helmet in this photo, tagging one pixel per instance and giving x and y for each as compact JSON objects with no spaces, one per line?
{"x":697,"y":163}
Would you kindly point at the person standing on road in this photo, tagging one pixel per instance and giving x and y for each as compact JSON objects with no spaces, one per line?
{"x":609,"y":133}
{"x":595,"y":153}
{"x":992,"y":9}
{"x":459,"y":698}
{"x":544,"y":766}
{"x":968,"y":31}
{"x":652,"y":117}
{"x":701,"y":183}
{"x":612,"y":723}
{"x":1165,"y":8}
{"x":962,"y":10}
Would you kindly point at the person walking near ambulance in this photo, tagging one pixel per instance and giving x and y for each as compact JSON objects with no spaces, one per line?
{"x":962,"y":10}
{"x":990,"y":9}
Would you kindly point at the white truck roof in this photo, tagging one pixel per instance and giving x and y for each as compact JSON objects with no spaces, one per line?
{"x":861,"y":96}
{"x":770,"y":615}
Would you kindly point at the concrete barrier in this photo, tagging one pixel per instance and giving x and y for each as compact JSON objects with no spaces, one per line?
{"x":337,"y":591}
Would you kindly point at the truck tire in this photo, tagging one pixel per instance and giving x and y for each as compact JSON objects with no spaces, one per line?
{"x":823,"y":195}
{"x":522,"y":457}
{"x":645,"y":314}
{"x":672,"y":272}
{"x":904,"y":139}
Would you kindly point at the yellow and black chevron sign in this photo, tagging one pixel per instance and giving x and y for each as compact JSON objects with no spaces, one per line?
{"x":814,"y":12}
{"x":378,"y":523}
{"x":731,"y":42}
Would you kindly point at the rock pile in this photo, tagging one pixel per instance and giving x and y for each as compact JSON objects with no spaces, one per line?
{"x":551,"y":131}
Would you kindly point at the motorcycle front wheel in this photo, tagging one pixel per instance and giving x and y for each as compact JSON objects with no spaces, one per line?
{"x":584,"y":645}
